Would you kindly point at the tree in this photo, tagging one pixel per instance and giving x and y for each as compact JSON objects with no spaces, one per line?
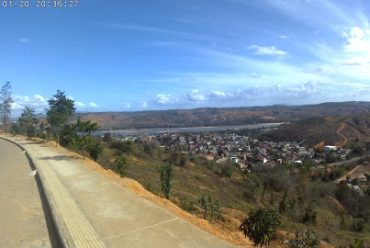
{"x":260,"y":226}
{"x":6,"y":101}
{"x":304,"y":239}
{"x":15,"y":129}
{"x":166,"y":175}
{"x":27,"y":121}
{"x":60,"y":110}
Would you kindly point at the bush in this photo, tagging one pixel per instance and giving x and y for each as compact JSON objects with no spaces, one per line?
{"x":357,"y":244}
{"x":166,"y":175}
{"x":261,"y":225}
{"x":304,"y":239}
{"x":120,"y":166}
{"x":310,"y":216}
{"x":94,"y":149}
{"x":357,"y":225}
{"x":15,"y":129}
{"x":226,"y":171}
{"x":188,"y":206}
{"x":211,"y":208}
{"x":123,"y":146}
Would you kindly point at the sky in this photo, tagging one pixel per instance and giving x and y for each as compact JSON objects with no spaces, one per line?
{"x":133,"y":55}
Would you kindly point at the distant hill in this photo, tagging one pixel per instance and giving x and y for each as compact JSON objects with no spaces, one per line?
{"x":329,"y":130}
{"x":224,"y":116}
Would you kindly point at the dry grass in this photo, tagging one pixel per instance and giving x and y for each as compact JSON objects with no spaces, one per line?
{"x":233,"y":236}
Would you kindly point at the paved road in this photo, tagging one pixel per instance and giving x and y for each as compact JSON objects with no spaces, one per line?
{"x":344,"y":162}
{"x":97,"y":212}
{"x":22,"y":221}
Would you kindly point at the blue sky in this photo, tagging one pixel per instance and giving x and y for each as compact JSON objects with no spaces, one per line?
{"x":142,"y":54}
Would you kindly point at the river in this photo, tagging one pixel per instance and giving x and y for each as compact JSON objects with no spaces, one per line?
{"x":154,"y":131}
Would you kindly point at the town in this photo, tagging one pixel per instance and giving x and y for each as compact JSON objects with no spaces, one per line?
{"x":243,"y":151}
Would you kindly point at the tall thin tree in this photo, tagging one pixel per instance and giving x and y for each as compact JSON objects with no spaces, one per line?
{"x":6,"y":101}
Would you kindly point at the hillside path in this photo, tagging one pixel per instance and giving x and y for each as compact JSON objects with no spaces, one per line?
{"x":342,"y":126}
{"x":110,"y":214}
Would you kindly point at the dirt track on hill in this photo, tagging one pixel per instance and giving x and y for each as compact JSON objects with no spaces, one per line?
{"x":342,"y":126}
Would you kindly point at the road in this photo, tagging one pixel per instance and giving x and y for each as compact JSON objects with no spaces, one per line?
{"x":22,"y":220}
{"x":344,"y":162}
{"x":94,"y":211}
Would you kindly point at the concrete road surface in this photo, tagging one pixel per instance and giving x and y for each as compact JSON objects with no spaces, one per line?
{"x":22,"y":221}
{"x":92,"y":208}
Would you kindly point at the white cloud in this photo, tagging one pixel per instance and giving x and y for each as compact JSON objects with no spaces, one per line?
{"x":24,"y":40}
{"x":165,"y":99}
{"x":37,"y":102}
{"x":267,"y":50}
{"x":358,"y":40}
{"x":93,"y":105}
{"x":196,"y":95}
{"x":79,"y":104}
{"x":220,"y":95}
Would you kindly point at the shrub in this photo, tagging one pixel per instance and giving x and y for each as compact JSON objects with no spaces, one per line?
{"x":357,"y":225}
{"x":310,"y":216}
{"x":122,"y":146}
{"x":261,"y":225}
{"x":211,"y":208}
{"x":304,"y":239}
{"x":120,"y":166}
{"x":357,"y":244}
{"x":94,"y":149}
{"x":226,"y":171}
{"x":166,"y":175}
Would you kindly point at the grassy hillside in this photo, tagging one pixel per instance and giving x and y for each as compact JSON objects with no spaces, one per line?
{"x":335,"y":213}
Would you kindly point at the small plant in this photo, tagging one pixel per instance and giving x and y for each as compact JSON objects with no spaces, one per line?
{"x":188,"y":206}
{"x":357,"y":225}
{"x":166,"y":175}
{"x":304,"y":239}
{"x":226,"y":171}
{"x":357,"y":244}
{"x":310,"y":216}
{"x":120,"y":166}
{"x":211,"y":208}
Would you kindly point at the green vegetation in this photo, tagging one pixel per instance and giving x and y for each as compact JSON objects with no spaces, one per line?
{"x":6,"y":101}
{"x":166,"y":176}
{"x":60,"y":110}
{"x":27,"y":122}
{"x":75,"y":136}
{"x":120,"y":165}
{"x":305,"y":197}
{"x":211,"y":208}
{"x":304,"y":239}
{"x":261,"y":226}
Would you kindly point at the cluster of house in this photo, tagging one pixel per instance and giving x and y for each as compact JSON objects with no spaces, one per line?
{"x":244,"y":151}
{"x":357,"y":183}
